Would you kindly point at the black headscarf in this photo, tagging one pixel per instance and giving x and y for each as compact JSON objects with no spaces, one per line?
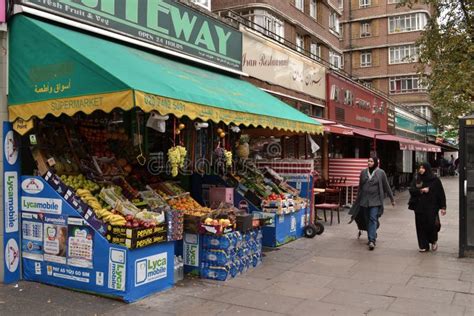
{"x":376,"y":163}
{"x":428,"y":175}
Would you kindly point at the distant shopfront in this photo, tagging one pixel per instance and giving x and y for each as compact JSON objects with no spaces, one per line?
{"x":354,"y":105}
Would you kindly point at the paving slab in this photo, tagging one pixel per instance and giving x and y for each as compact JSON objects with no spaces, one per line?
{"x":409,"y":306}
{"x":235,"y":310}
{"x":261,"y":301}
{"x":355,"y":299}
{"x":436,"y":272}
{"x":441,"y":284}
{"x":464,"y":299}
{"x":305,"y":290}
{"x":360,"y":286}
{"x":424,"y":294}
{"x":311,"y":308}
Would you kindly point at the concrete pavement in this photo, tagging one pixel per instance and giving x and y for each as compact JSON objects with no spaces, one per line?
{"x":332,"y":274}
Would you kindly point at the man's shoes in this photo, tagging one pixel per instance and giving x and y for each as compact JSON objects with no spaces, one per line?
{"x":371,"y":245}
{"x":423,"y":250}
{"x":434,"y":246}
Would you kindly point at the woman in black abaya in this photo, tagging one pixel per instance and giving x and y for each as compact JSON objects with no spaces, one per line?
{"x":427,"y":198}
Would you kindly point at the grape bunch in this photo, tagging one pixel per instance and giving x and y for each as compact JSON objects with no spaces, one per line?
{"x":176,"y":157}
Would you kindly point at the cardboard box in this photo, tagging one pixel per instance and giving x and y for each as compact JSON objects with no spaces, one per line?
{"x":135,"y":233}
{"x":221,"y":194}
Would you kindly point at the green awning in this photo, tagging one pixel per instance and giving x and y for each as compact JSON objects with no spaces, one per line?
{"x":55,"y":70}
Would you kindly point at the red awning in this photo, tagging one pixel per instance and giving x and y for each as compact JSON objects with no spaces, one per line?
{"x":410,"y":144}
{"x":335,"y":128}
{"x":367,"y":132}
{"x":405,"y":143}
{"x":339,"y":129}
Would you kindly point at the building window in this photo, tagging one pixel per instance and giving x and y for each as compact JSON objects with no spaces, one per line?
{"x":311,"y":109}
{"x":368,"y":84}
{"x":334,"y":22}
{"x":364,"y":3}
{"x":426,"y":112}
{"x":366,"y":59}
{"x":335,"y":60}
{"x":266,"y":23}
{"x":365,"y":29}
{"x":335,"y":93}
{"x":203,"y":3}
{"x":407,"y":84}
{"x":403,"y":54}
{"x":315,"y":50}
{"x":348,"y":97}
{"x":299,"y":43}
{"x":341,"y":4}
{"x":299,"y":4}
{"x":393,"y":1}
{"x":407,"y":23}
{"x":313,"y":9}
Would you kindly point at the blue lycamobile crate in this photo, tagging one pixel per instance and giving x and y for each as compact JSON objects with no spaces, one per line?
{"x":284,"y":228}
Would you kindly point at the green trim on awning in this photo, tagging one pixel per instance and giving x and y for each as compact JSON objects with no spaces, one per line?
{"x":51,"y":63}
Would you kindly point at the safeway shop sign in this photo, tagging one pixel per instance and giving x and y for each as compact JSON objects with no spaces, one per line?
{"x":163,"y":23}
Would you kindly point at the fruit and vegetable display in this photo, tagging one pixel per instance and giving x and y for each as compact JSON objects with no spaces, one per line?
{"x":80,"y":182}
{"x":98,"y":161}
{"x":266,"y":190}
{"x":107,"y":166}
{"x":189,"y":206}
{"x":167,"y":189}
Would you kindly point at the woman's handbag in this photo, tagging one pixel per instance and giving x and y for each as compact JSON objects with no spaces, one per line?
{"x":412,"y":203}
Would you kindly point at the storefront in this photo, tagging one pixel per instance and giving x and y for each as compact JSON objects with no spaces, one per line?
{"x":94,"y":120}
{"x":373,"y":120}
{"x":365,"y":113}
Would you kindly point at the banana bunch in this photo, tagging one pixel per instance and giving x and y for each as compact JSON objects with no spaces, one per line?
{"x":91,"y":200}
{"x":111,"y":218}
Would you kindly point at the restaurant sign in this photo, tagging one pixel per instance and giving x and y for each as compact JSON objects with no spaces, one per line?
{"x":426,"y":129}
{"x":277,"y":65}
{"x":164,"y":23}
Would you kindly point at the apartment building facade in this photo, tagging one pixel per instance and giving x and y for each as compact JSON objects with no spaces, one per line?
{"x":312,"y":26}
{"x":380,"y":48}
{"x":371,"y":40}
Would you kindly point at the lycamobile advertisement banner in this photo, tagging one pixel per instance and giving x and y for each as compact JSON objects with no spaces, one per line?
{"x":11,"y":228}
{"x":60,"y":248}
{"x":164,"y":23}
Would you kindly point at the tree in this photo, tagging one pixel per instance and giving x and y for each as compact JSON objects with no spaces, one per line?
{"x":447,"y":58}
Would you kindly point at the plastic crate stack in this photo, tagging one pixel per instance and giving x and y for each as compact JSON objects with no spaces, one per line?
{"x":225,"y":257}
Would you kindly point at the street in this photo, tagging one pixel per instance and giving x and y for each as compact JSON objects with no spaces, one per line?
{"x":332,"y":274}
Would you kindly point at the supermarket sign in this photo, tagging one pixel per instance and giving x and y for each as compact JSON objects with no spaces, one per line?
{"x":164,"y":23}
